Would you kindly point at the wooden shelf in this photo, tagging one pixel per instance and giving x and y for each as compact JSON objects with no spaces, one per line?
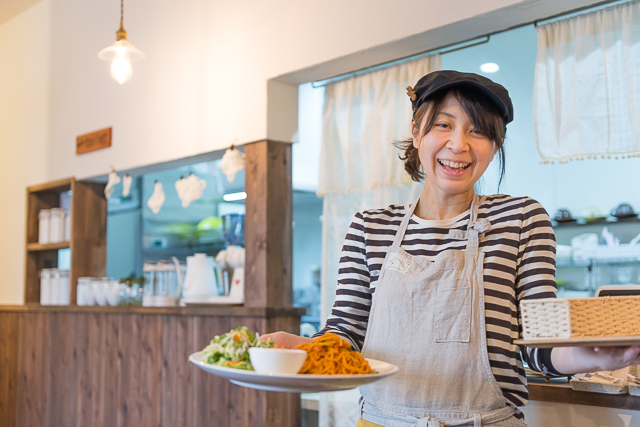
{"x":88,"y":234}
{"x":47,"y":247}
{"x":53,"y":186}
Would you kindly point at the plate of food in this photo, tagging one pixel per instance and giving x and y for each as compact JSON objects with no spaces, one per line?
{"x":328,"y":365}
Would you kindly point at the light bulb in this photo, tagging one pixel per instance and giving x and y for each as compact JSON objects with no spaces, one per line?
{"x":121,"y":69}
{"x":121,"y":53}
{"x":489,"y":67}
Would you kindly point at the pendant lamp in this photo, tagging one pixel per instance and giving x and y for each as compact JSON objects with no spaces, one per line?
{"x":121,"y":53}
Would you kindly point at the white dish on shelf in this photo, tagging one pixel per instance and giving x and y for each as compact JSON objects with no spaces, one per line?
{"x":296,"y":383}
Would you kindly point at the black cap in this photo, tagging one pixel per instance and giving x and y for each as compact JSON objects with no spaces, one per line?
{"x":440,"y":80}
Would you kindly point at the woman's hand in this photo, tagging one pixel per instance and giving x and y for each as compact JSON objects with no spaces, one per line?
{"x":573,"y":360}
{"x":285,"y":340}
{"x":613,"y":358}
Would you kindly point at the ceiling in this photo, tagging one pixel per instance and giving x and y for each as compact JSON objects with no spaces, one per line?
{"x":11,"y":8}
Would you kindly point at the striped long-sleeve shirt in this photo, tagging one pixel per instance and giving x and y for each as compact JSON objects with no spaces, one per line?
{"x":519,"y":263}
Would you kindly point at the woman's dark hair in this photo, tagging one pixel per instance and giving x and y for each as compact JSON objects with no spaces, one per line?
{"x":481,"y":113}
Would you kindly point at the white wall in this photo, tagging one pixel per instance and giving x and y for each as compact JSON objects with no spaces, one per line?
{"x":24,"y":121}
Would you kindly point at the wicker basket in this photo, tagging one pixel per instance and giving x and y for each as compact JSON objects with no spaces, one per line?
{"x":563,"y":318}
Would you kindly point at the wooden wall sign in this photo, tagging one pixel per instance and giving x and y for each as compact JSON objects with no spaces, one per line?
{"x":93,"y":141}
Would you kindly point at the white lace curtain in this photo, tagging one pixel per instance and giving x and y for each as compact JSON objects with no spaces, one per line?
{"x":587,"y":85}
{"x":360,"y":169}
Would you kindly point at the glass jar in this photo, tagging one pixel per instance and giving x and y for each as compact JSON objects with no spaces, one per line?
{"x":149,"y":270}
{"x":167,"y":284}
{"x":161,"y":279}
{"x":84,"y":293}
{"x":45,"y":286}
{"x":125,"y":294}
{"x":137,"y":291}
{"x":56,"y":225}
{"x":43,"y":226}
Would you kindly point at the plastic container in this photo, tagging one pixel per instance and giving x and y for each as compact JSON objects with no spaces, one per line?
{"x":43,"y":226}
{"x":55,"y":287}
{"x":45,"y":286}
{"x":56,"y":225}
{"x":63,"y":287}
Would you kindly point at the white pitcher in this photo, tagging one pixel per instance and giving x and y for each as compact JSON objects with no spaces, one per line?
{"x":199,"y":281}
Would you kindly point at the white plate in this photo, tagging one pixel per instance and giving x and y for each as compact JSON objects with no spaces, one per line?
{"x":231,"y":300}
{"x":295,"y":383}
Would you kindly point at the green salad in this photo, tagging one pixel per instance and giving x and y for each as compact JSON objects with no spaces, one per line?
{"x":231,"y":350}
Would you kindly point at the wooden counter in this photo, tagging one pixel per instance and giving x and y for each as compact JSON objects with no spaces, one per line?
{"x":128,"y":366}
{"x":563,"y":393}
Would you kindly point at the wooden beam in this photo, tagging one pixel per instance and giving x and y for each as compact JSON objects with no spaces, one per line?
{"x":268,"y":225}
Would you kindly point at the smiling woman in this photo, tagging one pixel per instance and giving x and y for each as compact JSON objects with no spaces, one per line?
{"x":433,"y":286}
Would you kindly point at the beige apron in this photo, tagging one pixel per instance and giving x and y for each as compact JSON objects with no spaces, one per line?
{"x":428,"y":319}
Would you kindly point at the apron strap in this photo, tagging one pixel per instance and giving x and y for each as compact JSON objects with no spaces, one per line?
{"x":474,"y":228}
{"x":397,"y":241}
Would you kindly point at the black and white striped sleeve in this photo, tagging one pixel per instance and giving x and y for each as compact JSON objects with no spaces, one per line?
{"x":350,"y":313}
{"x":536,"y":268}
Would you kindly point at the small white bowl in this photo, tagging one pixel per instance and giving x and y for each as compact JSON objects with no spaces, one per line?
{"x":277,"y":360}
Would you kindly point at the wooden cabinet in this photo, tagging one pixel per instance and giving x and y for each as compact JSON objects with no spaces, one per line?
{"x":88,"y":243}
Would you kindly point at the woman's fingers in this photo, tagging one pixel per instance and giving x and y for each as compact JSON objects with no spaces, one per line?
{"x":284,"y":339}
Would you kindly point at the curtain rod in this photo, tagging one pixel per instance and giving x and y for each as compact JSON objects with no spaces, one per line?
{"x":321,"y":83}
{"x":364,"y":70}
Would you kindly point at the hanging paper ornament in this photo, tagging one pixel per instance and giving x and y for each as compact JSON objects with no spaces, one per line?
{"x":113,"y":180}
{"x":157,"y":199}
{"x":194,"y":187}
{"x":126,"y":185}
{"x":181,"y":188}
{"x":232,"y":163}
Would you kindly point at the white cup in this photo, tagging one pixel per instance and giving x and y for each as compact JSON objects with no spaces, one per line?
{"x":84,"y":293}
{"x":99,"y":289}
{"x":113,"y":292}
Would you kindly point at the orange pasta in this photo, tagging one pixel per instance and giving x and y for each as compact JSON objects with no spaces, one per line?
{"x":331,"y":355}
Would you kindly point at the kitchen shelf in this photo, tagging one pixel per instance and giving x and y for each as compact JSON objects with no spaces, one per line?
{"x":605,"y":221}
{"x":48,"y":246}
{"x":88,"y":234}
{"x":594,"y":262}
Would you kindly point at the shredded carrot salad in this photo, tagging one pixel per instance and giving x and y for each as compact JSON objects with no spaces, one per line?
{"x":331,"y":355}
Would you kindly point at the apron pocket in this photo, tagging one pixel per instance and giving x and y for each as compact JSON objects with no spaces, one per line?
{"x":452,"y":316}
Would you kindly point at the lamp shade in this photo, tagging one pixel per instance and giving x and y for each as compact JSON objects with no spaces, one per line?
{"x":121,"y":53}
